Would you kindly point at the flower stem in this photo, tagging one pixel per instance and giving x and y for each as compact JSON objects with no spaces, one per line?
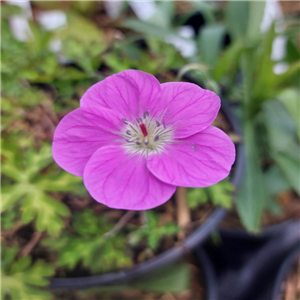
{"x":127,"y":216}
{"x":182,"y":209}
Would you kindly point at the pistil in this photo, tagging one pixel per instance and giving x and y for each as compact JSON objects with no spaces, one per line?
{"x":144,"y":129}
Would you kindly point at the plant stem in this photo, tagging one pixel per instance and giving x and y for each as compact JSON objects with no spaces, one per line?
{"x":182,"y":209}
{"x":128,"y":215}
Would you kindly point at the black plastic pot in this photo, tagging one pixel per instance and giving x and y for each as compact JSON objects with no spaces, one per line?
{"x":248,"y":267}
{"x":171,"y":255}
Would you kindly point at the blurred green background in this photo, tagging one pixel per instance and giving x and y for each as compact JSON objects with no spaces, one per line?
{"x":52,"y":51}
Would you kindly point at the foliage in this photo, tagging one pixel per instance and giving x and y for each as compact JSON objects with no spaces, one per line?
{"x":22,"y":279}
{"x":152,"y":231}
{"x":283,"y":140}
{"x":82,"y":43}
{"x":34,"y":74}
{"x":218,"y":194}
{"x":30,"y":184}
{"x":87,"y":244}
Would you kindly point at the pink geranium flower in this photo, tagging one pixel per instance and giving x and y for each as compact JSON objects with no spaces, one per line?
{"x":134,"y":140}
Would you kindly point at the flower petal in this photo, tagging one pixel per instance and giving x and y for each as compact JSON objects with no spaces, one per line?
{"x":196,"y":161}
{"x":121,"y":180}
{"x":188,"y":107}
{"x":115,"y":92}
{"x":149,"y":91}
{"x":130,"y":92}
{"x":80,"y":133}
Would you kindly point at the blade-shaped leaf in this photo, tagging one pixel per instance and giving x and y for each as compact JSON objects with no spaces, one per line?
{"x":210,"y":43}
{"x":251,"y":198}
{"x":236,"y":18}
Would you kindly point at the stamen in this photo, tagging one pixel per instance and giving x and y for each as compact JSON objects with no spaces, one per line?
{"x":147,"y":135}
{"x":144,"y":129}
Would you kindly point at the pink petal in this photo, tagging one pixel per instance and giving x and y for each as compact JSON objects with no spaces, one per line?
{"x":196,"y":161}
{"x":121,"y":180}
{"x":130,"y":92}
{"x":80,"y":133}
{"x":115,"y":92}
{"x":149,"y":91}
{"x":188,"y":107}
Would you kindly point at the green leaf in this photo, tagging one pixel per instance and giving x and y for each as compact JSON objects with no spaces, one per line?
{"x":282,"y":131}
{"x":21,"y":279}
{"x":10,"y":195}
{"x":152,"y":231}
{"x":256,"y":13}
{"x":163,"y":15}
{"x":290,"y":168}
{"x":236,"y":18}
{"x":275,"y":181}
{"x":227,"y":64}
{"x":8,"y":219}
{"x":46,"y":211}
{"x":31,"y":186}
{"x":290,"y":99}
{"x":251,"y":197}
{"x":82,"y":42}
{"x":36,"y":161}
{"x":89,"y":246}
{"x":173,"y":278}
{"x":63,"y":182}
{"x":221,"y":193}
{"x":151,"y":30}
{"x":196,"y":196}
{"x":210,"y":43}
{"x":283,"y":141}
{"x":264,"y":76}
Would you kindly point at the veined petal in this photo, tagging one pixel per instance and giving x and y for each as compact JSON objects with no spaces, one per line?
{"x":149,"y":91}
{"x":115,"y":92}
{"x":130,"y":92}
{"x":121,"y":180}
{"x":188,"y":107}
{"x":80,"y":133}
{"x":199,"y":160}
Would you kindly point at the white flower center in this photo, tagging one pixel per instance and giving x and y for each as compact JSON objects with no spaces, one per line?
{"x":146,"y":135}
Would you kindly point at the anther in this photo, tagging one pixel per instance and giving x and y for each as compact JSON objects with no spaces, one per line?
{"x":128,"y":132}
{"x":164,"y":125}
{"x":146,"y":114}
{"x":138,"y":143}
{"x":139,"y":120}
{"x":146,"y":141}
{"x":129,"y":141}
{"x":157,"y":123}
{"x":124,"y":121}
{"x":156,"y":138}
